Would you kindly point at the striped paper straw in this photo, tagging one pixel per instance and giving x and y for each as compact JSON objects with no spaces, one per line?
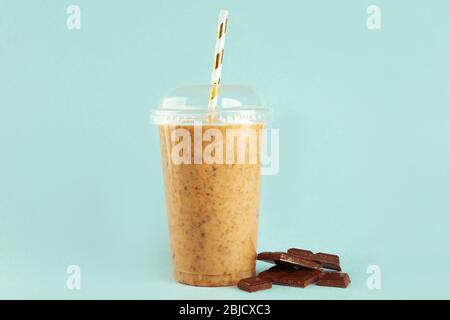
{"x":218,"y":59}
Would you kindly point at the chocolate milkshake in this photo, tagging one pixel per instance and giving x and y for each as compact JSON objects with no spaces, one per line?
{"x":212,"y":208}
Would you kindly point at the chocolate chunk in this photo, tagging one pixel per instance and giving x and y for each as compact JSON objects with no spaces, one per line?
{"x":299,"y":278}
{"x":326,"y":260}
{"x":301,"y":253}
{"x":288,"y":276}
{"x":289,"y":259}
{"x":275,"y":273}
{"x":254,"y":284}
{"x":334,"y":279}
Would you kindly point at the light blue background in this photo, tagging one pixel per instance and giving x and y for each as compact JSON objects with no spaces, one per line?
{"x":365,"y":130}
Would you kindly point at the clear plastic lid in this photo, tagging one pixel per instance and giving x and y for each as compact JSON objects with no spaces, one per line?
{"x":189,"y":105}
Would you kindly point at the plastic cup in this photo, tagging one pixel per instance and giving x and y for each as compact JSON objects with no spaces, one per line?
{"x":212,"y":182}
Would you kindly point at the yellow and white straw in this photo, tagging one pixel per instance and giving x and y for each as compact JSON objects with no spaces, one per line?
{"x":218,"y":59}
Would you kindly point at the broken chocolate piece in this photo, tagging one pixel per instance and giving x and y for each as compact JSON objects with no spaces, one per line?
{"x":334,"y":279}
{"x":288,"y":276}
{"x":326,"y":260}
{"x":299,"y":278}
{"x":275,"y":273}
{"x":329,"y":261}
{"x":254,"y":284}
{"x":301,"y":252}
{"x":288,"y":259}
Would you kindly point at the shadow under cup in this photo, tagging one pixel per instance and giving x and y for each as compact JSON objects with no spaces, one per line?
{"x":211,"y":165}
